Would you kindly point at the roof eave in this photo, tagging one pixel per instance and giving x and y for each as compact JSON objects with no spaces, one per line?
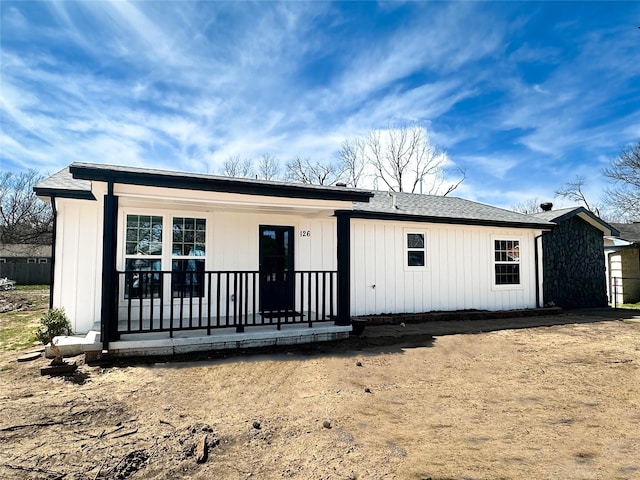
{"x":404,"y":217}
{"x":64,"y":193}
{"x":154,"y":179}
{"x":590,"y":218}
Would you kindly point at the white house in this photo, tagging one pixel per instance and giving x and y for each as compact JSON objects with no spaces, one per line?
{"x":622,"y":254}
{"x":184,"y":259}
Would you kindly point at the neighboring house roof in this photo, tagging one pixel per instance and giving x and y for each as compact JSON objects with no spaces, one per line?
{"x":628,"y":231}
{"x":78,"y":176}
{"x":563,"y":214}
{"x":439,"y":209}
{"x":24,"y":250}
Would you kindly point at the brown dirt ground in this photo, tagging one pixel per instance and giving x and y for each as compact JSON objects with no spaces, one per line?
{"x":550,"y":397}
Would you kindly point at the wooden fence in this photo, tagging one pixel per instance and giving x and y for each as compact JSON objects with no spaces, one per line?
{"x":27,"y":273}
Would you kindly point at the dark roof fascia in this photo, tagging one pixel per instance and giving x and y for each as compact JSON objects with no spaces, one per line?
{"x":154,"y":179}
{"x":595,"y":218}
{"x":403,"y":217}
{"x":64,"y":193}
{"x":618,"y":248}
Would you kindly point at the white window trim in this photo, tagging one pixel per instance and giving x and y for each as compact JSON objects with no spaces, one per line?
{"x":406,"y":250}
{"x":166,"y":258}
{"x":492,"y":270}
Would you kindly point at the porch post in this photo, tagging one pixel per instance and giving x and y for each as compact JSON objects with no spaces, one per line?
{"x":344,"y":267}
{"x":108,"y":312}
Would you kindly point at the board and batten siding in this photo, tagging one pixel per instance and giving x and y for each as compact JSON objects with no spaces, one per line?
{"x":232,"y":238}
{"x":232,"y":241}
{"x":78,"y":267}
{"x":459,"y":272}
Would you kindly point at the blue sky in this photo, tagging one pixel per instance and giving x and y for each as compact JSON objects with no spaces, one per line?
{"x":523,"y":96}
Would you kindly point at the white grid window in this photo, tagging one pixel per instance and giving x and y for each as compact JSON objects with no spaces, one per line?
{"x":143,"y":254}
{"x":188,"y":256}
{"x":507,"y":262}
{"x":416,"y":249}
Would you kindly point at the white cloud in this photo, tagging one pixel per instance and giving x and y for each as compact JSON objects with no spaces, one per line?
{"x":187,"y":84}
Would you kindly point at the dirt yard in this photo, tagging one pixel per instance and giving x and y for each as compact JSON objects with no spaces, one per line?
{"x":559,"y":399}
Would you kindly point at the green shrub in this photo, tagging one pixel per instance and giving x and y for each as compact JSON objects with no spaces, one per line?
{"x":53,"y":324}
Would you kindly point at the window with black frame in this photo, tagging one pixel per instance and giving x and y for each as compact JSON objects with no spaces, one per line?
{"x":188,"y":257}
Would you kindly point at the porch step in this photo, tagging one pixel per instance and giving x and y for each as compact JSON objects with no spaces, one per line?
{"x":150,"y":345}
{"x":71,"y":346}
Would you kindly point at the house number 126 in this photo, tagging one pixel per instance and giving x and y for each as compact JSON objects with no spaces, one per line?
{"x":305,"y":233}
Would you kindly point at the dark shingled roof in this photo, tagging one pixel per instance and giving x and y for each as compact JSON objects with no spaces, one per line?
{"x":24,"y":250}
{"x":562,"y":214}
{"x":192,"y":181}
{"x":628,"y":231}
{"x":438,"y":209}
{"x":552,"y":215}
{"x":62,"y":184}
{"x":367,"y":204}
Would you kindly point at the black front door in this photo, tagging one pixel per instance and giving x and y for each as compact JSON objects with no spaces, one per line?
{"x":276,"y":268}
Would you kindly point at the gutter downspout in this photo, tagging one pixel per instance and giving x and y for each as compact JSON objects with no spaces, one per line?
{"x":53,"y":249}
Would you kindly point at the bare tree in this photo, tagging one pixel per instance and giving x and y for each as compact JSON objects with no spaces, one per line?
{"x":573,"y":191}
{"x":624,"y":197}
{"x":24,"y":218}
{"x":304,"y":171}
{"x":527,"y":207}
{"x":403,"y":159}
{"x":352,"y":159}
{"x":268,"y":167}
{"x":234,"y":166}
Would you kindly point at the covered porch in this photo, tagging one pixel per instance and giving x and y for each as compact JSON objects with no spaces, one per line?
{"x":178,"y":301}
{"x":202,"y":262}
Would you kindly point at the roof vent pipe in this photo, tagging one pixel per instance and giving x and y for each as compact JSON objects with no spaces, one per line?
{"x":546,"y":206}
{"x":341,"y":184}
{"x":394,"y":201}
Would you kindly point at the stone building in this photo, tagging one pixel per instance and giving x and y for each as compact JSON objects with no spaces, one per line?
{"x":573,"y":258}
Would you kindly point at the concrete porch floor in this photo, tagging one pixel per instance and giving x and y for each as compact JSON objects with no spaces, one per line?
{"x":186,"y":341}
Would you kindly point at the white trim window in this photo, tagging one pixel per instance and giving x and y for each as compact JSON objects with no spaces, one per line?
{"x":416,"y":249}
{"x":188,"y":256}
{"x":151,"y":254}
{"x":506,"y":262}
{"x":143,"y":253}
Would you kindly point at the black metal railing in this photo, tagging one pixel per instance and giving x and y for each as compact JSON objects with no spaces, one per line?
{"x":170,"y":301}
{"x":624,"y":290}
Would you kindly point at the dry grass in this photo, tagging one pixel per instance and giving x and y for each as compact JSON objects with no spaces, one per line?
{"x":23,"y":308}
